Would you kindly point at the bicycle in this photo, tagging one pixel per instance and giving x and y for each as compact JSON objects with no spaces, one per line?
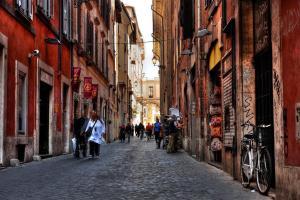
{"x":256,"y":159}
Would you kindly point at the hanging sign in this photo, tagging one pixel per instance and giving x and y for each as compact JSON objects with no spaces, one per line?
{"x":87,"y":87}
{"x":94,"y":91}
{"x":76,"y":73}
{"x":76,"y":79}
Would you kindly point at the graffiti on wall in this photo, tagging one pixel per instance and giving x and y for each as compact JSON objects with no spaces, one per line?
{"x":290,"y":20}
{"x":277,"y":85}
{"x":248,"y":113}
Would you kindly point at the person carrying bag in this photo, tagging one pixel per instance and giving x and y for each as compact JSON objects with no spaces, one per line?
{"x":96,"y":129}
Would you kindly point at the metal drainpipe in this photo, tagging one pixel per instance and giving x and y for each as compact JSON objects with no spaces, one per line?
{"x":163,"y":59}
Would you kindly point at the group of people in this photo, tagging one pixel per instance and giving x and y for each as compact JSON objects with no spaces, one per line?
{"x":126,"y":131}
{"x":139,"y":129}
{"x":88,"y":131}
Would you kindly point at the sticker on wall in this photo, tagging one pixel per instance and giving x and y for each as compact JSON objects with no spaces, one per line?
{"x":216,"y":145}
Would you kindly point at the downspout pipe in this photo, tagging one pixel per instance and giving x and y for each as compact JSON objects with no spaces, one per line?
{"x":163,"y":61}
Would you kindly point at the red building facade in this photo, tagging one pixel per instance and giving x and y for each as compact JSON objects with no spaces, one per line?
{"x":35,"y":79}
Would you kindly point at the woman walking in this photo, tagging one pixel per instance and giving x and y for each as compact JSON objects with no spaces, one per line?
{"x":95,"y":129}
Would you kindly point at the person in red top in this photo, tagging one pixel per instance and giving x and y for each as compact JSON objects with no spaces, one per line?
{"x":148,"y":131}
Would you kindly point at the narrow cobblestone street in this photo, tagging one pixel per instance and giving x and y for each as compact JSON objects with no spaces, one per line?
{"x":134,"y":171}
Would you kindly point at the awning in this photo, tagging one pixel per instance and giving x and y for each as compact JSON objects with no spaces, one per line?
{"x":214,"y":57}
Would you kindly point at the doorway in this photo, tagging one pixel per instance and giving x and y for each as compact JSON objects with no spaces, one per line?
{"x":45,"y":90}
{"x":215,"y":114}
{"x":65,"y":119}
{"x":264,"y":100}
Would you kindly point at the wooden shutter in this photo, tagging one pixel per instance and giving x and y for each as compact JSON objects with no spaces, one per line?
{"x":30,"y":9}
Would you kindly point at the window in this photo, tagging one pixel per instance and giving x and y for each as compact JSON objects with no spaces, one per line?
{"x":208,"y":2}
{"x":150,"y":91}
{"x":89,"y":37}
{"x":97,"y":50}
{"x":22,"y":102}
{"x":102,"y":57}
{"x":47,"y":7}
{"x":25,"y":7}
{"x":67,"y":18}
{"x":105,"y":8}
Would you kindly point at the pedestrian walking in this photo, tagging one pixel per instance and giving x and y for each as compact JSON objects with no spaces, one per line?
{"x":157,"y":127}
{"x":128,"y":131}
{"x":122,"y":133}
{"x":80,"y":125}
{"x":148,"y":131}
{"x":95,"y":132}
{"x":141,"y":130}
{"x":136,"y":129}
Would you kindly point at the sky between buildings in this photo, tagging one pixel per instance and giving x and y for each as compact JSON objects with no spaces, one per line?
{"x":144,"y":15}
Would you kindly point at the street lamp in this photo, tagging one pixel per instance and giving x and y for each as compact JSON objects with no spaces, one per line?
{"x":187,"y":52}
{"x":203,"y":32}
{"x":154,"y":61}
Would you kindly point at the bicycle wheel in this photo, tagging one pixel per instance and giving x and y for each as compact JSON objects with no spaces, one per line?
{"x":245,"y":168}
{"x":264,"y":172}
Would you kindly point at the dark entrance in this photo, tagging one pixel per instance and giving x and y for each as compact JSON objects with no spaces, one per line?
{"x":264,"y":100}
{"x":65,"y":113}
{"x":44,"y":118}
{"x":215,"y":114}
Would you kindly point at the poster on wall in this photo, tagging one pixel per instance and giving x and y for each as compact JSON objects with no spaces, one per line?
{"x":87,"y":87}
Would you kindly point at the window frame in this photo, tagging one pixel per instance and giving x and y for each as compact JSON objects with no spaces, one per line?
{"x":21,"y":69}
{"x":67,"y":19}
{"x":25,"y":10}
{"x":48,"y":10}
{"x":151,"y":92}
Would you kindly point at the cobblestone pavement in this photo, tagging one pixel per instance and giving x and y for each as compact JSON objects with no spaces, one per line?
{"x":124,"y":171}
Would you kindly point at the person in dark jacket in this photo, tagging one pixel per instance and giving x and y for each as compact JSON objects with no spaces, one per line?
{"x":122,"y":133}
{"x":136,"y":129}
{"x":128,"y":131}
{"x":80,"y":125}
{"x":141,"y":130}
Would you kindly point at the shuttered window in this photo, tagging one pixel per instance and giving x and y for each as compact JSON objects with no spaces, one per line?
{"x":47,"y":7}
{"x":89,"y":37}
{"x":25,"y":7}
{"x":67,"y":18}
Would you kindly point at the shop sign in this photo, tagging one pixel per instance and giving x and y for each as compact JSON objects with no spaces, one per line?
{"x":94,"y":91}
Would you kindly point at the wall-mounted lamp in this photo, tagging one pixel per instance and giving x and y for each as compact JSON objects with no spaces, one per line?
{"x":154,"y":61}
{"x":53,"y":41}
{"x":187,"y":52}
{"x":203,"y":32}
{"x":34,"y":53}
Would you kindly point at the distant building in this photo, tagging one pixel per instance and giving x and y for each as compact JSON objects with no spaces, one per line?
{"x":135,"y":65}
{"x":150,"y":100}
